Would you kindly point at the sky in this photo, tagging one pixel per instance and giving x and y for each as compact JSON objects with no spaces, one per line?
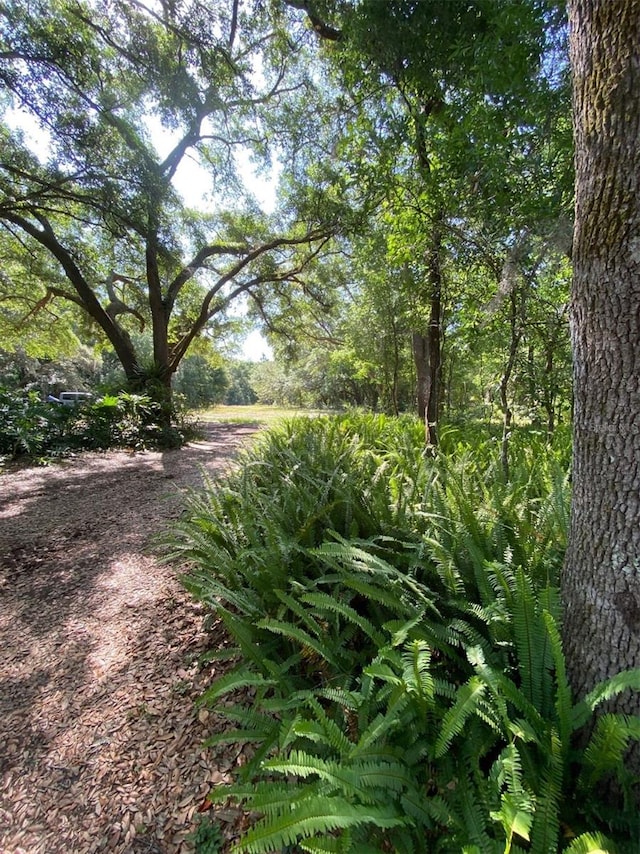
{"x":255,"y":347}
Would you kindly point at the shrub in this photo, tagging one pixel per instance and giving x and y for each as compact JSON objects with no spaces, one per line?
{"x":31,"y":427}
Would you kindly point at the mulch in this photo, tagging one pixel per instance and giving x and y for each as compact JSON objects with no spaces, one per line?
{"x":101,"y":738}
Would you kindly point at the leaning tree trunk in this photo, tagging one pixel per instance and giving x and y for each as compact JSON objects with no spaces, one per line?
{"x":601,"y":578}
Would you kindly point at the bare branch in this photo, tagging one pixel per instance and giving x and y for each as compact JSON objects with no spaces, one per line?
{"x":117,"y":306}
{"x":208,"y":311}
{"x":238,"y":249}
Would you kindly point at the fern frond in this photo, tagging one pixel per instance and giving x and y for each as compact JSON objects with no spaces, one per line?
{"x":330,"y":844}
{"x":372,"y":565}
{"x":534,"y":662}
{"x":333,"y":733}
{"x":381,"y":725}
{"x":346,"y":699}
{"x":237,"y":736}
{"x":339,"y":776}
{"x":302,"y":613}
{"x":445,"y":564}
{"x":515,"y":815}
{"x":243,"y":632}
{"x":300,"y":637}
{"x":319,"y":815}
{"x":507,"y":769}
{"x":382,"y":671}
{"x":310,"y":730}
{"x":242,"y":676}
{"x":623,"y":681}
{"x":507,"y":697}
{"x":269,"y":797}
{"x":211,"y":590}
{"x":545,"y":828}
{"x":494,"y":681}
{"x":591,"y":843}
{"x":473,"y":814}
{"x":607,"y":747}
{"x":385,"y":776}
{"x":400,"y":629}
{"x":516,"y":803}
{"x":227,"y":653}
{"x":467,"y":700}
{"x":288,"y":731}
{"x":330,"y":603}
{"x":388,"y":596}
{"x":414,"y":803}
{"x":563,"y":703}
{"x":416,"y":660}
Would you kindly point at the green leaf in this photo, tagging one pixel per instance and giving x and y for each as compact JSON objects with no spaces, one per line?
{"x":591,"y":843}
{"x":467,"y":701}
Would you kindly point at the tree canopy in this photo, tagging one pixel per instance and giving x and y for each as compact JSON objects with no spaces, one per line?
{"x":121,"y":96}
{"x":442,"y":126}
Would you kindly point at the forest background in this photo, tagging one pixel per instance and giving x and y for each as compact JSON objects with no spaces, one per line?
{"x":420,"y":236}
{"x":418,"y":257}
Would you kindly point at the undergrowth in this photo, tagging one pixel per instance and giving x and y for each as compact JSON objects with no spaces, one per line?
{"x":398,"y":660}
{"x":43,"y":431}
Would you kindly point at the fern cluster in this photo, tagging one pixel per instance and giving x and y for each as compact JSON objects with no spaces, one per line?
{"x":396,"y":619}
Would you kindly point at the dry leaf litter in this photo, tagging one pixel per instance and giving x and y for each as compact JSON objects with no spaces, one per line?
{"x":100,"y":738}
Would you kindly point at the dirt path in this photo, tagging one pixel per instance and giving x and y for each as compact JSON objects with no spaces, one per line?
{"x":100,"y":743}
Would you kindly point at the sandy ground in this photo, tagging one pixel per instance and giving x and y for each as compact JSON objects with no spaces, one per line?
{"x":100,"y":739}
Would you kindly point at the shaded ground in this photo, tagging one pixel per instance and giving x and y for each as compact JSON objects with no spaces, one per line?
{"x":100,"y":742}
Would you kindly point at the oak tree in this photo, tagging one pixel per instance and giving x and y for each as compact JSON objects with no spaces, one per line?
{"x":601,"y":578}
{"x":122,"y":95}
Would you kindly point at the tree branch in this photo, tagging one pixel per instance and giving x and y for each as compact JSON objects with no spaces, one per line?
{"x":322,"y":28}
{"x":207,"y":312}
{"x":46,"y":237}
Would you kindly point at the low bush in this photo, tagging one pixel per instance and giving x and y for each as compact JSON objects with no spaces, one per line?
{"x":29,"y":426}
{"x":398,"y":663}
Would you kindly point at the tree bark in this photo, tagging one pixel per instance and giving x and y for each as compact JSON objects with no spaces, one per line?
{"x":427,"y":349}
{"x":601,"y":578}
{"x":507,"y":413}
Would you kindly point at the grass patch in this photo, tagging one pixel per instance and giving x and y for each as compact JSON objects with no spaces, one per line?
{"x":254,"y":414}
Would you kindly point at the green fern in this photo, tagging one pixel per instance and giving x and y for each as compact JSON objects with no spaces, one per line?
{"x":242,"y":676}
{"x":328,"y":731}
{"x":545,"y":829}
{"x":607,"y":747}
{"x":397,"y":619}
{"x":591,"y":843}
{"x":303,"y":639}
{"x":468,"y":698}
{"x":604,"y":691}
{"x":329,"y":604}
{"x":316,"y":816}
{"x":416,"y":674}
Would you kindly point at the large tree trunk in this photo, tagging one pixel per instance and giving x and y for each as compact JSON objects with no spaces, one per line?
{"x":601,"y":579}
